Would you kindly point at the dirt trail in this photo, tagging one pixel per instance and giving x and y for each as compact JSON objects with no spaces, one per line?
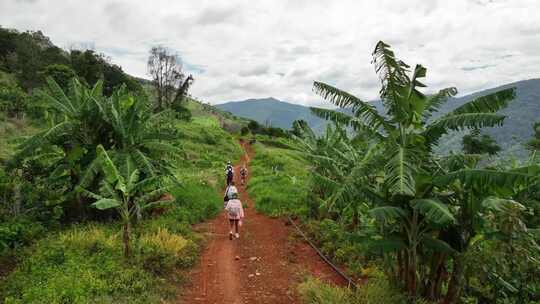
{"x":263,"y":266}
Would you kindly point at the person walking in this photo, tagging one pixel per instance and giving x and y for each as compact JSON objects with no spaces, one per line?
{"x":243,"y":174}
{"x":229,"y":173}
{"x":235,"y":214}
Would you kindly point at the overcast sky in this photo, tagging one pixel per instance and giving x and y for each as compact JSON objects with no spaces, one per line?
{"x":251,"y":49}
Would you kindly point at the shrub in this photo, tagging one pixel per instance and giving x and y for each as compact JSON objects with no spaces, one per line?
{"x":377,"y":290}
{"x":161,"y":251}
{"x":18,"y":232}
{"x":314,"y":291}
{"x":80,"y":265}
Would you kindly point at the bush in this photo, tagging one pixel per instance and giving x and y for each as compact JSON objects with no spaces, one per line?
{"x":377,"y":290}
{"x":314,"y":291}
{"x":18,"y":232}
{"x":81,"y":265}
{"x":161,"y":251}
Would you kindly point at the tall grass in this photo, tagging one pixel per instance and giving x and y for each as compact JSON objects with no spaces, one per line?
{"x":279,"y":181}
{"x":375,"y":291}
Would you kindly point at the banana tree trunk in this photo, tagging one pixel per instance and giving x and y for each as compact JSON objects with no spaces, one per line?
{"x":435,"y":277}
{"x":127,"y":232}
{"x":454,"y":286}
{"x":412,"y":279}
{"x":400,"y":266}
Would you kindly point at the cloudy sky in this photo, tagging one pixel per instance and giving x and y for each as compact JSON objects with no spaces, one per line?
{"x":251,"y":49}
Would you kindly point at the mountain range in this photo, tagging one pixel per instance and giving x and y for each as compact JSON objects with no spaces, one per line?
{"x":520,"y":114}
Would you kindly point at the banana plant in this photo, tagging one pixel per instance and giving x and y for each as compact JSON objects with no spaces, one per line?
{"x":407,"y":133}
{"x":83,"y":118}
{"x":127,"y":191}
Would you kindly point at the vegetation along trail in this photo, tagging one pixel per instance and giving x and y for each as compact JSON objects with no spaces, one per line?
{"x":263,"y":266}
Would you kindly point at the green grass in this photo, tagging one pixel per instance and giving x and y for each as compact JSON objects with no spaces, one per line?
{"x":84,"y":263}
{"x":207,"y":148}
{"x":279,"y":180}
{"x":376,"y":291}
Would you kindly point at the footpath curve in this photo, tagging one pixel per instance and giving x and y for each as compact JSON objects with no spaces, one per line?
{"x":263,"y":266}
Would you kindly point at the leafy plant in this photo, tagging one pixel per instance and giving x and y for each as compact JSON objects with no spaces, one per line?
{"x":403,"y":179}
{"x":124,"y":190}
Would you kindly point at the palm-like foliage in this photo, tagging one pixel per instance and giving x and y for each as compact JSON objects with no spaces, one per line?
{"x":418,"y":196}
{"x":82,"y":119}
{"x":124,"y":189}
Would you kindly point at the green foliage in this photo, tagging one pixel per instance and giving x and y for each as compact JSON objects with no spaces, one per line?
{"x":475,"y":143}
{"x":313,"y":291}
{"x":13,"y":101}
{"x":428,"y":211}
{"x":82,"y":119}
{"x":18,"y":232}
{"x":377,"y":290}
{"x":534,"y":143}
{"x":32,"y":57}
{"x":81,"y":265}
{"x":61,"y":73}
{"x":162,"y":252}
{"x":279,"y":181}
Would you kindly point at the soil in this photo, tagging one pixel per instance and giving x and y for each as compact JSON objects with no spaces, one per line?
{"x":264,"y":265}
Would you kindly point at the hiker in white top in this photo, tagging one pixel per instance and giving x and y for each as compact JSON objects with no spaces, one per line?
{"x":235,"y":214}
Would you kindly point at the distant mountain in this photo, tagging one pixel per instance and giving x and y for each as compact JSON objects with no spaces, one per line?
{"x":273,"y":112}
{"x":521,"y":113}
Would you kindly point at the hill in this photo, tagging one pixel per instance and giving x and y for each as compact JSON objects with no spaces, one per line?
{"x":521,"y":114}
{"x":273,"y":112}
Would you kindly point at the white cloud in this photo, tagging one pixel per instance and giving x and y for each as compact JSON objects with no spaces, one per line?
{"x":248,"y":49}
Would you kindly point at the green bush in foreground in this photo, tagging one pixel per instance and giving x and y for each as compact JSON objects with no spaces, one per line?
{"x":377,"y":290}
{"x":81,"y":265}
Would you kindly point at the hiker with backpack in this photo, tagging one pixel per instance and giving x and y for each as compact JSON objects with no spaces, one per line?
{"x":235,"y":214}
{"x":229,"y":172}
{"x":229,"y":191}
{"x":243,"y":174}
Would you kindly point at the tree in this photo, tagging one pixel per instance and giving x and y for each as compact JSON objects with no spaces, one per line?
{"x":13,"y":101}
{"x":405,"y":201}
{"x":61,"y":73}
{"x":534,"y":143}
{"x":126,"y":190}
{"x":88,"y":65}
{"x":83,"y":118}
{"x":169,"y":81}
{"x":476,"y":143}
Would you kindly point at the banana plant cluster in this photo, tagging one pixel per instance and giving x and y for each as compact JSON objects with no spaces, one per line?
{"x":83,"y":118}
{"x":429,"y":208}
{"x":124,"y":189}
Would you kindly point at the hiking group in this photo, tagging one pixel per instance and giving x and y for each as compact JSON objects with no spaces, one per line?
{"x":233,"y":205}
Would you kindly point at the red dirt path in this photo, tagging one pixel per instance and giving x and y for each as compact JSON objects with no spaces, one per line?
{"x":263,"y":266}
